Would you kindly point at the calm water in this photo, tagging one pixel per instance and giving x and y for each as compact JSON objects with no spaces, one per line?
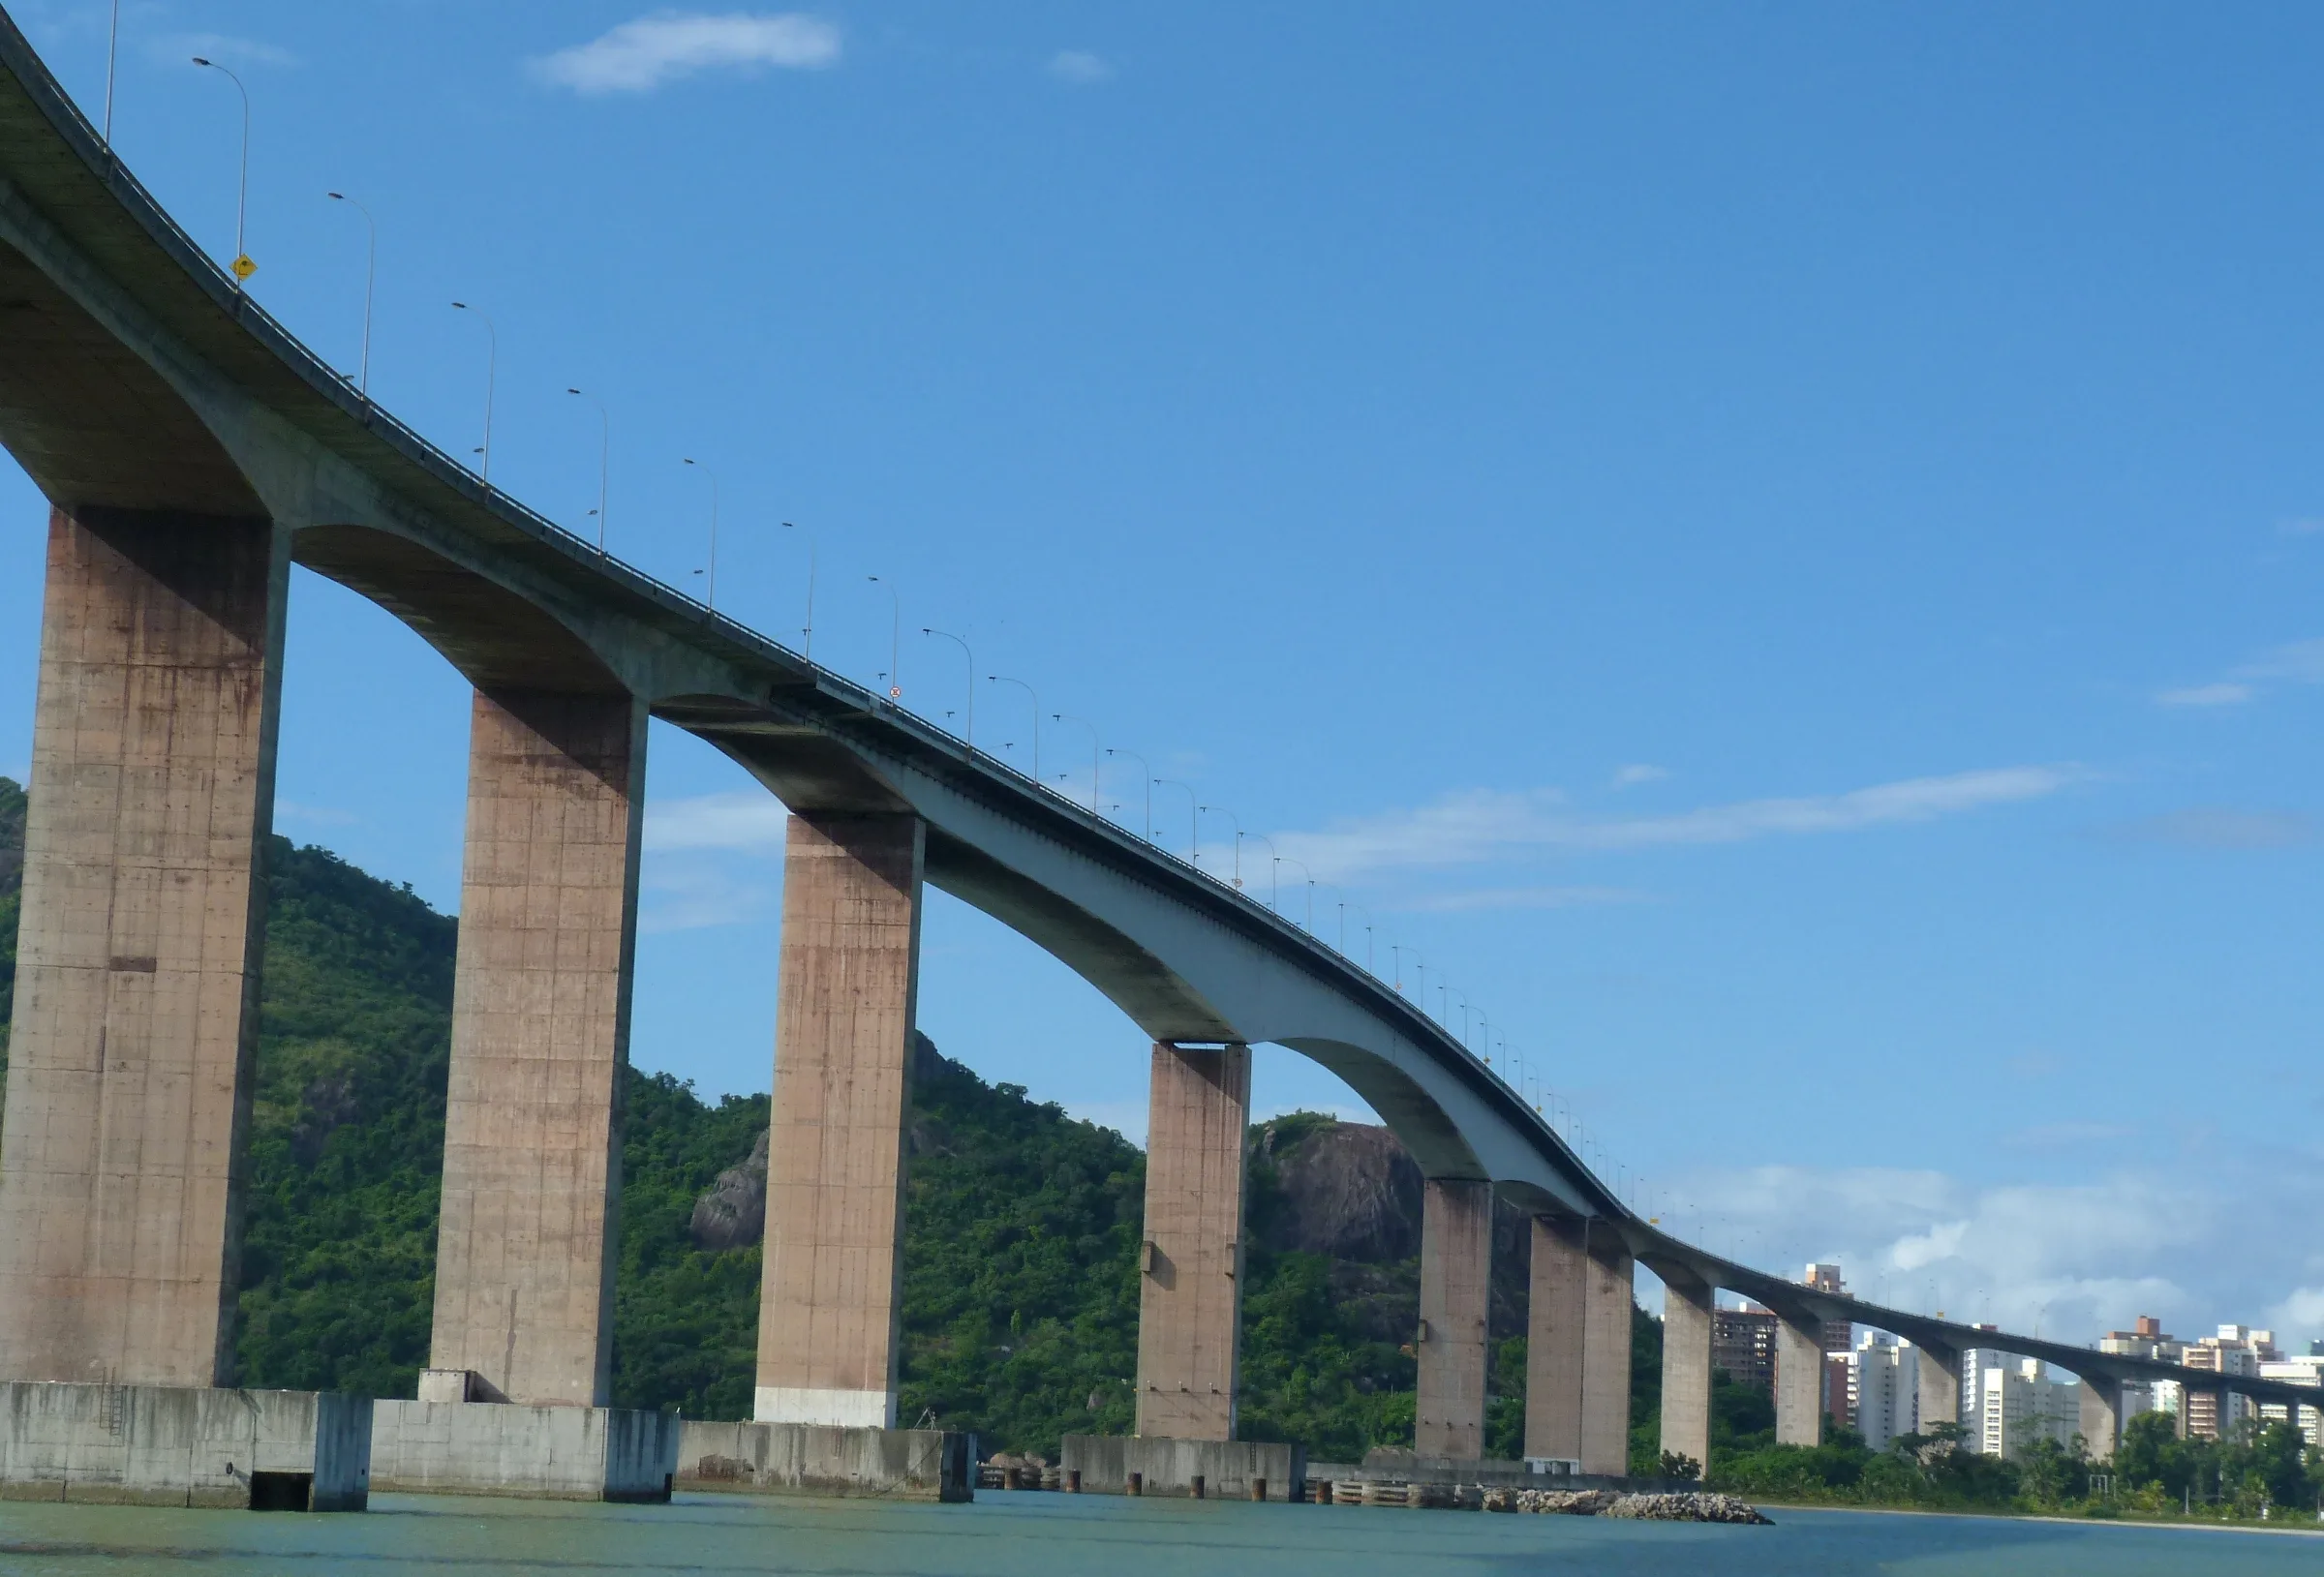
{"x":1058,"y":1535}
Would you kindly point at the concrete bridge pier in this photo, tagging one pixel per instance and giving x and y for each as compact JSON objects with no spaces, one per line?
{"x":848,"y":986}
{"x":2101,"y":1423}
{"x":1557,"y":1301}
{"x":136,"y":1022}
{"x":1798,"y":1381}
{"x":1190,"y":1283}
{"x":1687,"y":1304}
{"x":1939,"y":1384}
{"x":1456,"y":1273}
{"x":540,"y":1031}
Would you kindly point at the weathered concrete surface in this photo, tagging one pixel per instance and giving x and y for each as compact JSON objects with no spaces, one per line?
{"x":2102,"y":1419}
{"x":1605,"y":1355}
{"x":184,"y":1446}
{"x":1798,"y":1382}
{"x":1190,"y":1293}
{"x":540,"y":1029}
{"x":1940,"y":1388}
{"x":1556,"y":1299}
{"x":1457,"y":1276}
{"x":152,"y":787}
{"x":827,"y":1459}
{"x":530,"y":1453}
{"x":1228,"y":1469}
{"x":846,"y":996}
{"x":1687,"y":1312}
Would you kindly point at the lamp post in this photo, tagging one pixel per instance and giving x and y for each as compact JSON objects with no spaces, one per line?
{"x":1273,"y":872}
{"x":371,"y":277}
{"x":242,"y":266}
{"x":895,"y":639}
{"x":1216,"y":810}
{"x":970,"y":735}
{"x":808,"y":630}
{"x":1345,"y":906}
{"x":491,"y":373}
{"x":604,"y":457}
{"x":1069,"y":717}
{"x":1307,"y":875}
{"x":1003,"y":679}
{"x":1194,"y":822}
{"x":112,"y":50}
{"x":1148,"y":772}
{"x":710,"y":584}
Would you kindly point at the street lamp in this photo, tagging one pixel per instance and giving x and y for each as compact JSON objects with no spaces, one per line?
{"x":1150,"y":786}
{"x":1069,"y":717}
{"x":1274,"y":870}
{"x":604,"y":456}
{"x":969,"y":738}
{"x":112,"y":50}
{"x":1194,"y":822}
{"x":808,"y":630}
{"x":1003,"y":679}
{"x":370,"y":276}
{"x":895,"y":639}
{"x":1344,"y":907}
{"x":710,"y":585}
{"x":1217,"y":810}
{"x":492,"y":371}
{"x":1286,"y":860}
{"x":242,"y":266}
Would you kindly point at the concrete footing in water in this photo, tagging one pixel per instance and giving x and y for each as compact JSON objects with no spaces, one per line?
{"x":827,"y":1459}
{"x":184,"y":1446}
{"x":1200,"y":1469}
{"x":534,"y":1453}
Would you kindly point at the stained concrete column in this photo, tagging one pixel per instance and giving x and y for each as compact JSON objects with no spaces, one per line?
{"x":1798,"y":1381}
{"x":541,"y":1033}
{"x":1687,"y":1304}
{"x":1190,"y":1289}
{"x":1940,"y":1400}
{"x":2101,"y":1421}
{"x":1556,"y":1304}
{"x":136,"y":1021}
{"x":1456,"y":1274}
{"x":830,"y":1287}
{"x":1606,"y":1354}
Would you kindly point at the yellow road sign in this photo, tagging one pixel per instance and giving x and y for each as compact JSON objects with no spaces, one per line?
{"x":243,"y":267}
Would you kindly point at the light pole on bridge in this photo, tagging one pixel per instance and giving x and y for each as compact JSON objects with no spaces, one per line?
{"x":710,"y":585}
{"x":241,"y":267}
{"x":371,"y":277}
{"x":604,"y":453}
{"x":969,"y":736}
{"x":1069,"y":717}
{"x":1194,"y":821}
{"x":491,"y":373}
{"x":1219,"y":810}
{"x":1148,"y":772}
{"x":807,"y":631}
{"x":895,"y":640}
{"x":1003,"y":679}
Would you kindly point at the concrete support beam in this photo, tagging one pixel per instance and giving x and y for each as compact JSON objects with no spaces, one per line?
{"x":1456,"y":1273}
{"x":1939,"y":1385}
{"x":1605,"y":1355}
{"x":848,"y":987}
{"x":128,"y":1080}
{"x":1687,"y":1306}
{"x":1798,"y":1381}
{"x":1190,"y":1292}
{"x":540,"y":1032}
{"x":2102,"y":1422}
{"x":1556,"y":1302}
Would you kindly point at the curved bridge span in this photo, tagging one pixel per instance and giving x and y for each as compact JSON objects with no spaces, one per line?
{"x":193,"y":450}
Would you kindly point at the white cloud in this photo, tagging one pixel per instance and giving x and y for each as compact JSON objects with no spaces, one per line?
{"x":1478,"y":825}
{"x":690,"y":895}
{"x":1526,"y":897}
{"x":644,"y":54}
{"x":2299,"y":528}
{"x":2222,"y":694}
{"x":2299,"y":663}
{"x":743,"y":822}
{"x":1079,"y":66}
{"x":2218,"y":827}
{"x":1639,"y":772}
{"x":290,"y":810}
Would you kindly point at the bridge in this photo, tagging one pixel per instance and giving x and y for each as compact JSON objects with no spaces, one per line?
{"x":193,"y":450}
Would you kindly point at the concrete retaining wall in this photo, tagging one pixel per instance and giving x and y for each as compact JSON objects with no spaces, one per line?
{"x":826,"y":1459}
{"x":540,"y":1453}
{"x":1227,"y":1468}
{"x":184,"y":1446}
{"x":1390,"y":1467}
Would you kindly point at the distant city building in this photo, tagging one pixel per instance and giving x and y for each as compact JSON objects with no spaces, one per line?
{"x":2237,"y":1349}
{"x":1743,"y":1343}
{"x":1883,"y":1388}
{"x":2146,"y":1339}
{"x":1839,"y":1340}
{"x":2019,"y":1404}
{"x":2305,"y":1369}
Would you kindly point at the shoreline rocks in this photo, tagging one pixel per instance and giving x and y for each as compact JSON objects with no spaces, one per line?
{"x":1692,"y":1505}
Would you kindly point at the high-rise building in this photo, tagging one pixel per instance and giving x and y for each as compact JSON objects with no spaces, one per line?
{"x":2019,"y":1404}
{"x":2237,"y":1349}
{"x":2146,"y":1339}
{"x":1883,"y":1388}
{"x":1743,"y":1343}
{"x":1838,"y":1340}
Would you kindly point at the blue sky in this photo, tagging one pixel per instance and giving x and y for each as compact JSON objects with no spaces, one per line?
{"x":1774,"y":547}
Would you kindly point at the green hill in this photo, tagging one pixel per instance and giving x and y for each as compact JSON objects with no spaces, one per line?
{"x":1021,"y":1226}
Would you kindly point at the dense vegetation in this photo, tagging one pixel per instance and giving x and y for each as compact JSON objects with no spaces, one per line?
{"x":1021,"y":1226}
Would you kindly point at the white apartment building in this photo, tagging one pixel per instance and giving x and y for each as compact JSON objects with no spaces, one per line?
{"x":2305,"y":1369}
{"x":2019,"y":1404}
{"x":1883,"y":1388}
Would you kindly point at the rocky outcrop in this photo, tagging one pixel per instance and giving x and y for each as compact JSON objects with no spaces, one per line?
{"x":1346,"y":1191}
{"x":733,"y":1213}
{"x":1692,"y":1505}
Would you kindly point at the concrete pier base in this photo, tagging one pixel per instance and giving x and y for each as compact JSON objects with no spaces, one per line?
{"x":1208,"y":1470}
{"x":2101,"y":1421}
{"x":1556,"y":1304}
{"x":1456,"y":1274}
{"x":184,"y":1446}
{"x":827,"y":1460}
{"x":1190,"y":1292}
{"x":530,"y":1453}
{"x":1798,"y":1382}
{"x":1688,"y":1308}
{"x":1939,"y":1398}
{"x":1607,"y":1300}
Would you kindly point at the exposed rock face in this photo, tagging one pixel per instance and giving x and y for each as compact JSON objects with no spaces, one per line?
{"x":733,"y":1214}
{"x":1689,"y":1506}
{"x":1348,"y":1192}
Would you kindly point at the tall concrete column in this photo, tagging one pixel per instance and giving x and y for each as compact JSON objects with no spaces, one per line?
{"x":1686,"y":1309}
{"x":1557,"y":1301}
{"x":1798,"y":1381}
{"x":136,"y":1024}
{"x":1190,"y":1289}
{"x":541,"y":1033}
{"x":1940,"y":1387}
{"x":829,"y":1290}
{"x":2101,"y":1421}
{"x":1456,"y":1274}
{"x":1605,"y":1355}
